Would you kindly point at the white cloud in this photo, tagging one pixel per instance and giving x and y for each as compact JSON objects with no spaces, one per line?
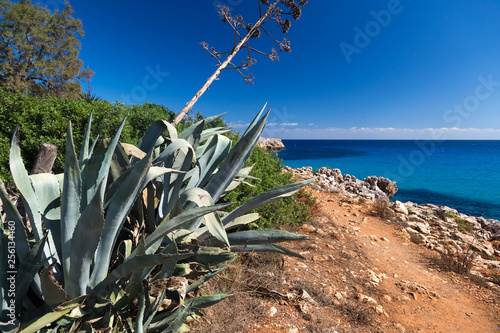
{"x":238,"y":125}
{"x":383,"y":133}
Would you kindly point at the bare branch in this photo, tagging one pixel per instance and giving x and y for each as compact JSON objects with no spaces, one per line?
{"x":273,"y":12}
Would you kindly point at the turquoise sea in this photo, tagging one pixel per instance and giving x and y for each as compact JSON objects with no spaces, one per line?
{"x":464,"y":175}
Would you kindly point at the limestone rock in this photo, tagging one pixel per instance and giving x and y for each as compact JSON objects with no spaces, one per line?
{"x":385,"y":185}
{"x":272,"y":311}
{"x":270,"y":144}
{"x":399,"y":207}
{"x":371,"y":188}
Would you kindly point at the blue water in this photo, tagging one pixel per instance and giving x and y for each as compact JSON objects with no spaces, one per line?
{"x":464,"y":175}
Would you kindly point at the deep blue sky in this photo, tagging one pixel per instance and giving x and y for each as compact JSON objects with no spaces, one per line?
{"x":407,"y":80}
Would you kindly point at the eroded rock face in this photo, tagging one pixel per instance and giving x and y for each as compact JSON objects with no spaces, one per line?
{"x":385,"y":185}
{"x":270,"y":144}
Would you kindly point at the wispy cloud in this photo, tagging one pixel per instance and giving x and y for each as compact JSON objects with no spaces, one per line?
{"x":384,"y":133}
{"x":238,"y":125}
{"x":283,"y":124}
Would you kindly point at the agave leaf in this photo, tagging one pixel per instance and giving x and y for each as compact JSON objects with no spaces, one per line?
{"x":28,"y":267}
{"x":254,"y":121}
{"x":266,"y":198}
{"x":245,"y":173}
{"x":12,"y":214}
{"x":177,"y":155}
{"x":98,"y":167}
{"x":148,"y":141}
{"x":239,"y":179}
{"x":180,"y":319}
{"x":263,"y":236}
{"x":132,"y":150}
{"x":172,"y":131}
{"x":150,"y":208}
{"x":153,"y":173}
{"x":159,"y":302}
{"x":208,"y":276}
{"x":211,"y":157}
{"x":48,"y":196}
{"x":4,"y":283}
{"x":60,"y":180}
{"x":138,"y":263}
{"x":83,"y":246}
{"x":256,"y":237}
{"x":156,"y":171}
{"x":84,"y":150}
{"x":70,"y":201}
{"x":140,"y":275}
{"x":117,"y":211}
{"x":162,"y":321}
{"x":51,"y":317}
{"x":206,"y":301}
{"x":189,"y":131}
{"x":168,"y":225}
{"x":119,"y":163}
{"x":202,"y":233}
{"x":242,"y":220}
{"x":53,"y":293}
{"x":124,"y":250}
{"x":94,"y":143}
{"x":201,"y":198}
{"x":267,"y":248}
{"x":209,"y":256}
{"x":208,"y":133}
{"x":10,"y":327}
{"x":195,"y":136}
{"x":167,"y":269}
{"x":235,"y":160}
{"x":141,"y":309}
{"x":23,"y":183}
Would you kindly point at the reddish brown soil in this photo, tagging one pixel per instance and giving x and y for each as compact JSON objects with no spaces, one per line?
{"x":413,"y":293}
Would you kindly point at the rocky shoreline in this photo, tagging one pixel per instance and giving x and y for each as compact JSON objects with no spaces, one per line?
{"x":439,"y":228}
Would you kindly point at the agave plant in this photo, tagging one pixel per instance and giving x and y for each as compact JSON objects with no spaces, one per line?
{"x":127,"y":234}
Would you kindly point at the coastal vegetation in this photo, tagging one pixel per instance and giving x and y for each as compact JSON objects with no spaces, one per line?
{"x":138,"y":229}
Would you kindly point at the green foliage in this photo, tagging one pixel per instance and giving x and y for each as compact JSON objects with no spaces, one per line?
{"x":269,"y":170}
{"x":416,"y":219}
{"x":463,"y":226}
{"x":89,"y":97}
{"x":40,"y":49}
{"x":133,"y":234}
{"x":45,"y":120}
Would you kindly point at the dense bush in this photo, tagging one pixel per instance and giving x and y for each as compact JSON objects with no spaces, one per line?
{"x":46,"y":120}
{"x":269,"y":169}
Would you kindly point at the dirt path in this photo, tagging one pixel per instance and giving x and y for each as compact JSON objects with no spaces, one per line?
{"x":362,"y":274}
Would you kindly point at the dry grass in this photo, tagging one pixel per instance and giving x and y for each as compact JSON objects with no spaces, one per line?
{"x":381,"y":208}
{"x":356,"y":313}
{"x":248,"y":278}
{"x":456,"y":261}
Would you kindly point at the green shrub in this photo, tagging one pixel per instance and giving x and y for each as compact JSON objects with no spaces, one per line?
{"x":46,"y":119}
{"x":463,"y":226}
{"x":269,"y":169}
